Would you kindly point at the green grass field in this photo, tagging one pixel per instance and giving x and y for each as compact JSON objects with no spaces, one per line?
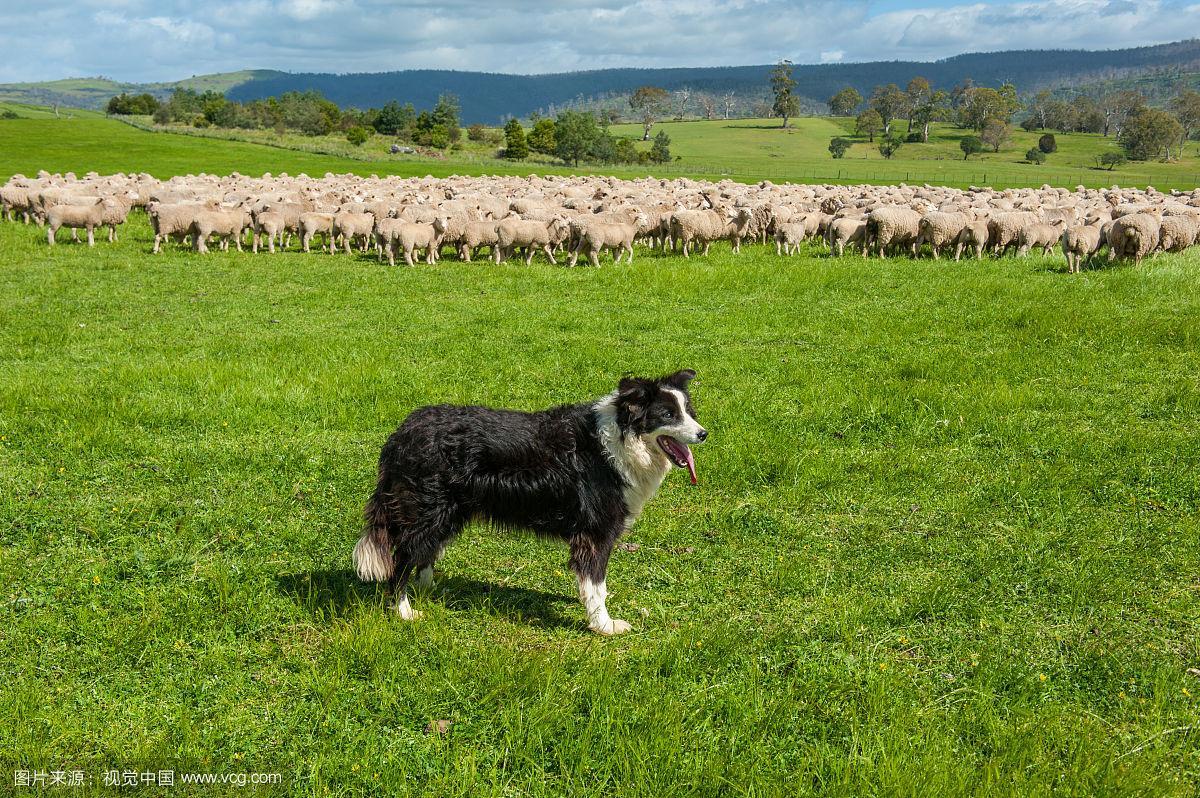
{"x":945,"y":540}
{"x":746,"y":150}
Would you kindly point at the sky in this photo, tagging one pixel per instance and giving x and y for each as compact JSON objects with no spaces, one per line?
{"x":158,"y":40}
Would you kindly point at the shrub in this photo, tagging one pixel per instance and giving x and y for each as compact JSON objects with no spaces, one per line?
{"x":476,"y":132}
{"x":1047,"y":144}
{"x":1034,"y":155}
{"x":1111,"y":159}
{"x":358,"y":135}
{"x":970,"y":145}
{"x":889,"y":145}
{"x":660,"y":150}
{"x":541,"y":137}
{"x":8,"y":114}
{"x":626,"y":151}
{"x":516,"y":148}
{"x":838,"y":146}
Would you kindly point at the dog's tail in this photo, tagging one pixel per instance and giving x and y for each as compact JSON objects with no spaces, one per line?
{"x":373,"y":553}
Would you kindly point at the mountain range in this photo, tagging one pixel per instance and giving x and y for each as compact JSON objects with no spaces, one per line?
{"x":489,"y":97}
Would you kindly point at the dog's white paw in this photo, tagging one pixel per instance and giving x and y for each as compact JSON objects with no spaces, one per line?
{"x":613,"y":627}
{"x":409,"y":614}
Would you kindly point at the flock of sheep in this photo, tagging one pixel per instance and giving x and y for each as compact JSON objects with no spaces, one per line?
{"x":419,"y":217}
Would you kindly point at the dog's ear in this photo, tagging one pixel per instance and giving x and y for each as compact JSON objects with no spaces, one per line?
{"x":680,"y":379}
{"x":633,"y":397}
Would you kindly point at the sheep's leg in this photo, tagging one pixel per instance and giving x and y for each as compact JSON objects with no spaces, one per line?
{"x":550,"y":254}
{"x":707,"y":244}
{"x":91,"y":236}
{"x":75,"y":235}
{"x":50,"y":231}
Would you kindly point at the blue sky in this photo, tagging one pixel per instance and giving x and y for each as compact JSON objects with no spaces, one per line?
{"x":169,"y":39}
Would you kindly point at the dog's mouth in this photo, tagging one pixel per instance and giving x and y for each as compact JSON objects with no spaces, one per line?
{"x":679,"y":454}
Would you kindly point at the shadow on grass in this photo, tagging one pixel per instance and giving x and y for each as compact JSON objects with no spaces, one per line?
{"x":335,"y":593}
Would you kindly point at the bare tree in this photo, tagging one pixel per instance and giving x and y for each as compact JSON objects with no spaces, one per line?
{"x":681,"y":97}
{"x":708,"y":104}
{"x":728,"y":99}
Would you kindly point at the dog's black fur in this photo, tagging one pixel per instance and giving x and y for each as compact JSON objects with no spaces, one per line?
{"x":548,"y":471}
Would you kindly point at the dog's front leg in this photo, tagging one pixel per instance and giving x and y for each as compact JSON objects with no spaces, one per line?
{"x":589,"y":561}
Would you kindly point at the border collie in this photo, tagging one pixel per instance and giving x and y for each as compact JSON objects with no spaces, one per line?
{"x":581,"y":473}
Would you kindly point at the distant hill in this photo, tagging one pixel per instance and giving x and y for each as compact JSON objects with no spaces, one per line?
{"x":94,"y":93}
{"x":488,"y":97}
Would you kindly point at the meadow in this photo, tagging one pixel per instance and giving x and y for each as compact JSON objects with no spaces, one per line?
{"x":746,"y":150}
{"x":945,"y":540}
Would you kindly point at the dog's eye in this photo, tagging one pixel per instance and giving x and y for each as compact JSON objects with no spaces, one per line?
{"x":669,"y":413}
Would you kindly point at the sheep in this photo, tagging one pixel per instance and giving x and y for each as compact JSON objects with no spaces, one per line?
{"x":1080,"y":243}
{"x":1043,"y":236}
{"x":315,"y":222}
{"x":939,"y":229}
{"x":1177,"y":233}
{"x":350,"y":225}
{"x":845,"y":232}
{"x":701,"y":227}
{"x":408,"y":237}
{"x":173,"y":220}
{"x":476,"y":235}
{"x":226,"y":223}
{"x":78,"y":217}
{"x":974,"y":235}
{"x":891,"y":226}
{"x":526,"y":233}
{"x":615,"y":236}
{"x":15,"y":199}
{"x":1134,"y":236}
{"x":741,"y":226}
{"x":789,"y":236}
{"x":1004,"y":229}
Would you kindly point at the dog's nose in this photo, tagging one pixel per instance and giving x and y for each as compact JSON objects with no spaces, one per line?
{"x":702,"y":435}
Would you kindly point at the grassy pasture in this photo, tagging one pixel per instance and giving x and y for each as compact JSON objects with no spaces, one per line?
{"x":747,"y":150}
{"x":945,"y":541}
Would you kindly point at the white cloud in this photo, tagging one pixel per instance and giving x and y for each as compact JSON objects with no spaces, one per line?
{"x":168,"y":39}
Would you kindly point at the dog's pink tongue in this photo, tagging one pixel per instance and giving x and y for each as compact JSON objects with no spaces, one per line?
{"x":691,"y":462}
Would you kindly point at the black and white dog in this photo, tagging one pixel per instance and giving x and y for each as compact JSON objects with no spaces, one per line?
{"x":580,"y":472}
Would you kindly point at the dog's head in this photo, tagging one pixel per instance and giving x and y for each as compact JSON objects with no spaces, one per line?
{"x":660,"y":412}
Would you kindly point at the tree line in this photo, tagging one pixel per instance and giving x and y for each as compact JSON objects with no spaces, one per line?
{"x":1142,"y":132}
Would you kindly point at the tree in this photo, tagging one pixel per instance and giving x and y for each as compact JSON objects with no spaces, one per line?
{"x":1150,"y":133}
{"x":1048,"y":144}
{"x":649,"y":102}
{"x":890,"y":102}
{"x":838,"y":146}
{"x":1034,"y":155}
{"x":577,"y":136}
{"x":868,"y":122}
{"x":132,"y":105}
{"x":925,"y":105}
{"x":1186,"y":107}
{"x":786,"y":103}
{"x":996,"y":133}
{"x":516,"y":148}
{"x":978,"y":105}
{"x":1117,"y":106}
{"x":476,"y":132}
{"x":445,"y":114}
{"x":728,"y":100}
{"x":889,"y":144}
{"x":358,"y":135}
{"x":541,"y":137}
{"x":626,"y":151}
{"x":394,"y":118}
{"x":708,"y":104}
{"x":660,"y":150}
{"x":970,"y":145}
{"x":1112,"y":158}
{"x":680,"y":98}
{"x":845,"y":101}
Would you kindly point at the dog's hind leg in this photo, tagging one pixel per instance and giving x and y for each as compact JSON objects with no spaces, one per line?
{"x":589,"y":561}
{"x":424,"y":579}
